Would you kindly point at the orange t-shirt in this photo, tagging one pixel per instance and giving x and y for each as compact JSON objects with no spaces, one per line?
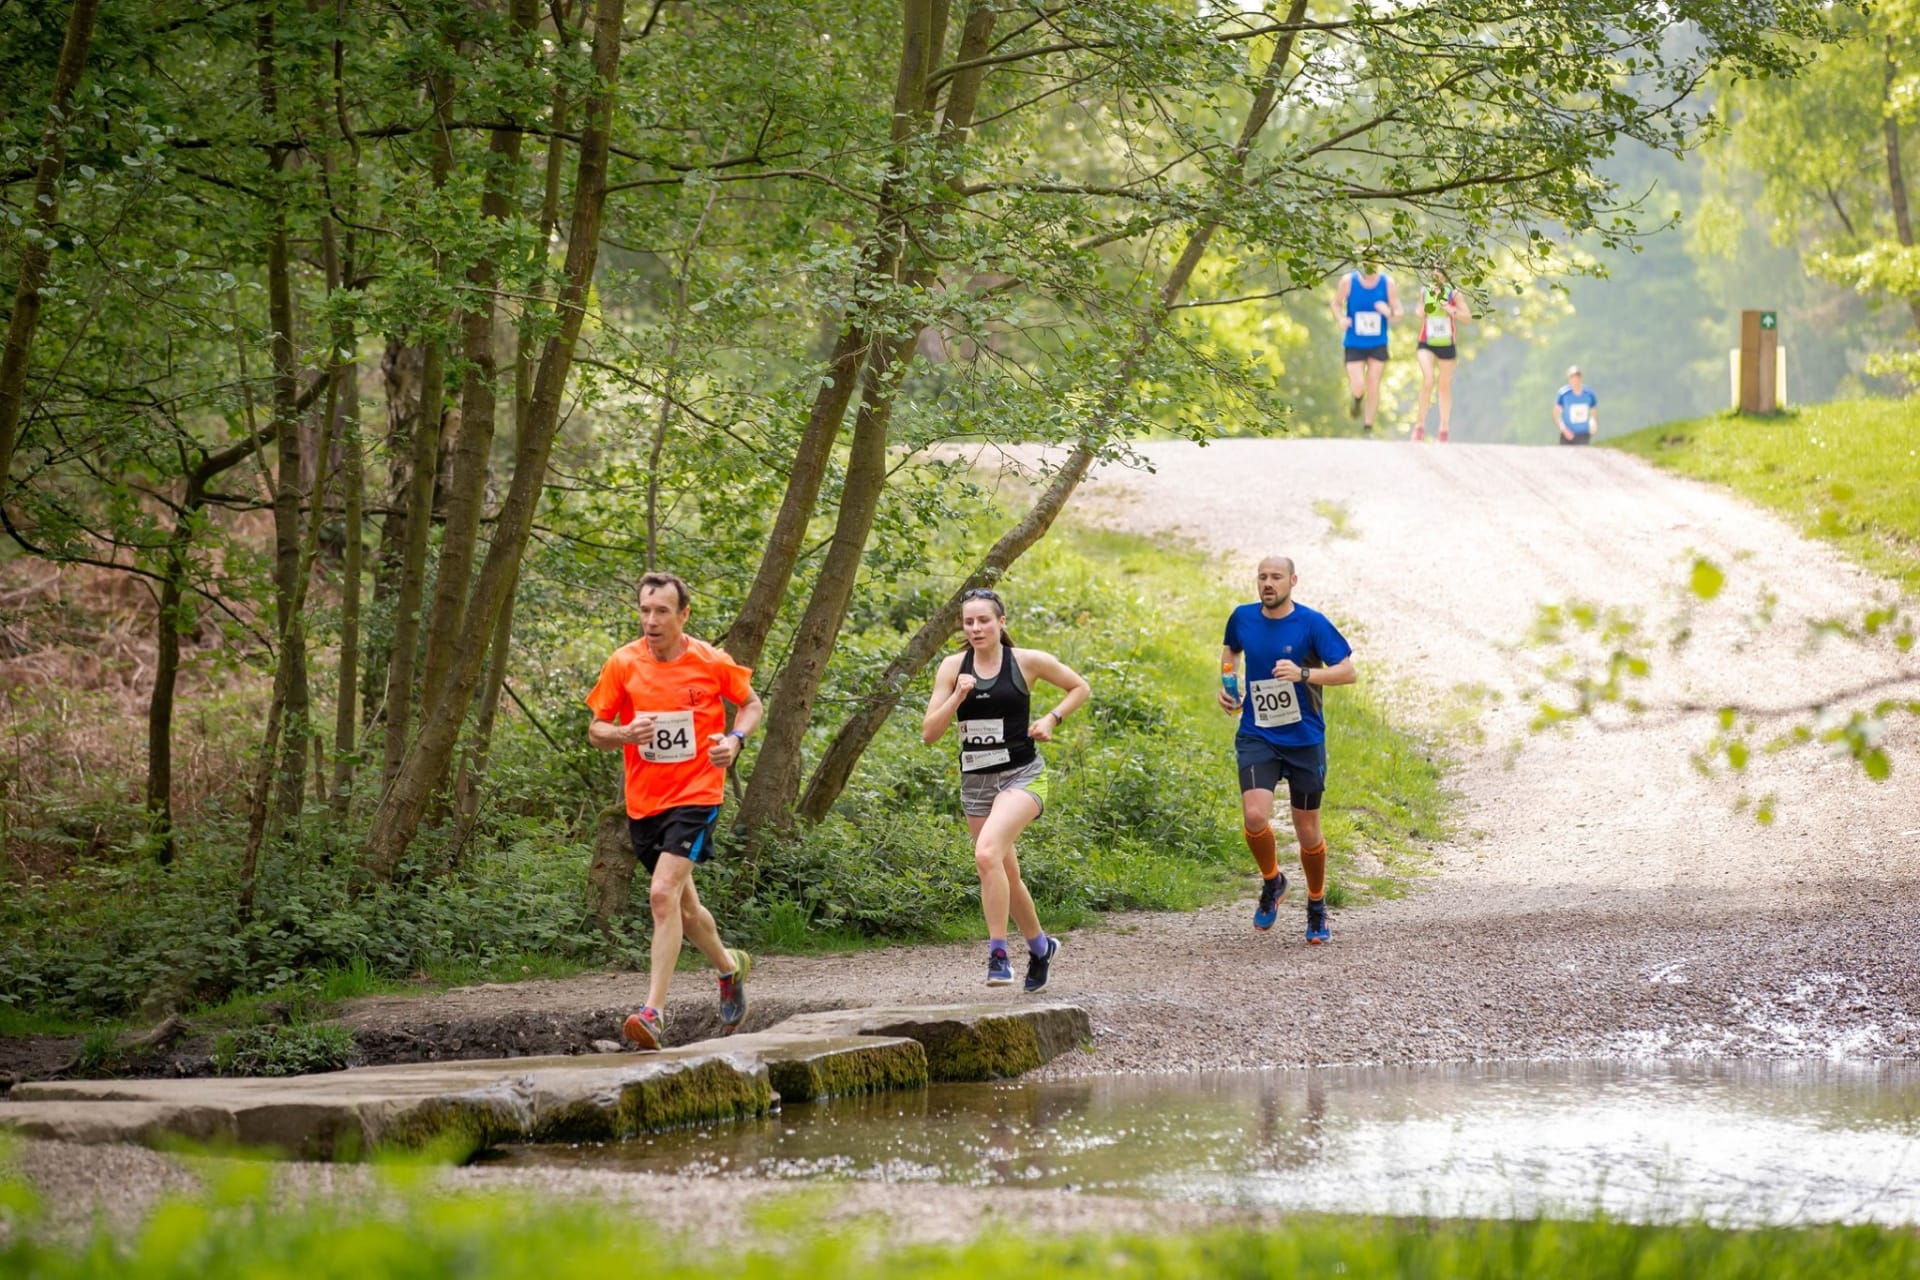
{"x":684,"y":698}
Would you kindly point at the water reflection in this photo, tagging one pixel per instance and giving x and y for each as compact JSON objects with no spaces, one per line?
{"x":1733,"y":1143}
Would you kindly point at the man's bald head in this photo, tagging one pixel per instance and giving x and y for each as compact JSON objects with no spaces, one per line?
{"x":1275,"y":578}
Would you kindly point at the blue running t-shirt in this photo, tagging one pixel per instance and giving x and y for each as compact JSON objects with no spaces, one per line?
{"x":1576,"y":409}
{"x":1285,"y":713}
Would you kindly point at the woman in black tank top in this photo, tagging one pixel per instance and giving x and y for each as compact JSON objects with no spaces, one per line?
{"x":987,"y":689}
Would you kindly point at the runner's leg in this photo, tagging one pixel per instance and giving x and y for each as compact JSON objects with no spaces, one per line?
{"x":1256,"y":816}
{"x":1446,"y":395}
{"x":1375,"y":369}
{"x":671,"y":877}
{"x":1427,"y":361}
{"x":697,"y":923}
{"x":1356,"y":385}
{"x":1313,"y":850}
{"x":993,"y":839}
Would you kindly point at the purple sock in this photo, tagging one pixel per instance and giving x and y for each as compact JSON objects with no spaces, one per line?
{"x":1037,"y":944}
{"x":996,"y":944}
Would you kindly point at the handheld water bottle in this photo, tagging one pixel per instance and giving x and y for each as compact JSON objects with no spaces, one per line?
{"x":1230,"y":680}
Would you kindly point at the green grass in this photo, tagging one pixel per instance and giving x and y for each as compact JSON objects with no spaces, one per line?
{"x":1845,"y":472}
{"x":241,"y":1229}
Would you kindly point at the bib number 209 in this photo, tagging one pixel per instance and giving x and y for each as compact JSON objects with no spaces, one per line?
{"x":672,"y":738}
{"x":1275,"y":703}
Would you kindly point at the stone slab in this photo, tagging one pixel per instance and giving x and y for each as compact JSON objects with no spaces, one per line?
{"x":986,"y":1041}
{"x":342,"y":1115}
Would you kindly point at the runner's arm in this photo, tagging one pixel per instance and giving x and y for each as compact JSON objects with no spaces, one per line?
{"x":1394,"y":309}
{"x":1229,"y":665}
{"x":1055,"y":672}
{"x":1560,"y":421}
{"x":947,"y":694}
{"x":1340,"y":316}
{"x":728,"y":746}
{"x":608,"y":736}
{"x":1459,"y":306}
{"x":1341,"y":672}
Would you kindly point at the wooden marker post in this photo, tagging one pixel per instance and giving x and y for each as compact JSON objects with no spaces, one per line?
{"x":1759,"y":356}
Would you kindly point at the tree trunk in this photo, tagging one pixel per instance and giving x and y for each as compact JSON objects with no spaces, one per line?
{"x":422,"y":488}
{"x":353,"y":482}
{"x":291,"y":490}
{"x":36,"y":254}
{"x":400,"y":368}
{"x":400,"y":811}
{"x":479,"y":403}
{"x":776,"y":770}
{"x":1896,"y":173}
{"x":747,"y":637}
{"x":851,"y":742}
{"x":473,"y":773}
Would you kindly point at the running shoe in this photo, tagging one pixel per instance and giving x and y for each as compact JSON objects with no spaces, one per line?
{"x":733,"y":992}
{"x":1443,"y":435}
{"x":1353,"y":406}
{"x":1037,"y":965}
{"x":1420,"y":433}
{"x":647,"y":1029}
{"x":1271,"y":892}
{"x":1317,"y":921}
{"x":999,"y":969}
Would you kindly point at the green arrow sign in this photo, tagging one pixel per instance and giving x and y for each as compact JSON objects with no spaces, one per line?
{"x":1767,"y":320}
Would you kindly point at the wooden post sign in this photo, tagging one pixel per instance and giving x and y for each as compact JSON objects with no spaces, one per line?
{"x":1759,"y":352}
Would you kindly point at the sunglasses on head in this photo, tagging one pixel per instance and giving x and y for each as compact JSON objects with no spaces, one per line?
{"x":979,"y":593}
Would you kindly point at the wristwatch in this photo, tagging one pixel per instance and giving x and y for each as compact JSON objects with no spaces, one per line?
{"x":735,"y":733}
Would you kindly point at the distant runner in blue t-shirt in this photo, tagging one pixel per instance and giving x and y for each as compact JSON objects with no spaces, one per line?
{"x":1292,"y":653}
{"x":1363,"y":303}
{"x":1576,"y":410}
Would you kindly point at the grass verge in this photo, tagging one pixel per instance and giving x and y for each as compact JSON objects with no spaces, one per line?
{"x":1844,"y":472}
{"x":241,"y":1230}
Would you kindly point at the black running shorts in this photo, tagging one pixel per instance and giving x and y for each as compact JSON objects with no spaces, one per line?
{"x":685,"y":831}
{"x":1262,"y":765}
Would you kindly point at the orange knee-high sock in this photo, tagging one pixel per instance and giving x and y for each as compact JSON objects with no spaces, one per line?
{"x":1314,"y":862}
{"x":1266,"y":851}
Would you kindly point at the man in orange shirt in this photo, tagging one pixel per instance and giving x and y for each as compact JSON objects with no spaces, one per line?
{"x":658,"y":701}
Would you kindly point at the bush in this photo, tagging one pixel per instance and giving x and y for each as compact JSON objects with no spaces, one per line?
{"x":282,"y":1051}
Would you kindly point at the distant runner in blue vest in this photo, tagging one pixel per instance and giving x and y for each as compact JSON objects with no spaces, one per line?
{"x":1363,"y":303}
{"x":1443,"y":309}
{"x":1292,"y":653}
{"x":1576,"y":410}
{"x":988,"y":687}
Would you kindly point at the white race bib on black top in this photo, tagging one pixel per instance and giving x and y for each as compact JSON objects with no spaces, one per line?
{"x":983,"y":745}
{"x":672,"y":738}
{"x":1367,"y":323}
{"x":1275,"y":703}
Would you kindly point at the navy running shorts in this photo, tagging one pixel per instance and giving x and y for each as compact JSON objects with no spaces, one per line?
{"x":1263,"y":765}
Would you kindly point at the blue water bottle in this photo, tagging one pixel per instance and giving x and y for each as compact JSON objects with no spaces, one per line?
{"x":1230,"y":680}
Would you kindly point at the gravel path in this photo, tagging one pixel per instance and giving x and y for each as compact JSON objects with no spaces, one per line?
{"x":1601,"y":899}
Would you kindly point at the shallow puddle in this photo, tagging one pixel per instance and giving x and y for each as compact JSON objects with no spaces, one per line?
{"x":1731,"y":1143}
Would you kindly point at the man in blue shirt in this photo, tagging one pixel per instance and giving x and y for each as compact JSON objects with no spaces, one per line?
{"x":1576,"y":410}
{"x":1292,"y":653}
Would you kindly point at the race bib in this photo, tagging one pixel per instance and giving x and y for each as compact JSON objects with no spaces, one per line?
{"x":983,"y":745}
{"x":1440,"y":330}
{"x":1577,"y":414}
{"x":1367,"y":323}
{"x":672,"y":738}
{"x":1275,"y":703}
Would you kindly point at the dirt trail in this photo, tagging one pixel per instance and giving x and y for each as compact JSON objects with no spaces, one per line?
{"x":1601,"y":898}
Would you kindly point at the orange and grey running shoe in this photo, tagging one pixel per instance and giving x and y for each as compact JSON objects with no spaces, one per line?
{"x":647,"y":1029}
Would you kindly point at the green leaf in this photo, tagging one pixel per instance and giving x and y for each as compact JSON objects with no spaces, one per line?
{"x":1708,"y":579}
{"x":1877,"y":765}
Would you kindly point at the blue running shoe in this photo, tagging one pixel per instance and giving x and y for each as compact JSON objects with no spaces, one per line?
{"x":1271,"y":892}
{"x":1317,"y":921}
{"x":1037,"y":966}
{"x":999,"y":969}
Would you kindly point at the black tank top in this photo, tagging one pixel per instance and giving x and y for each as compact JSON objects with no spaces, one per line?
{"x":994,"y":718}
